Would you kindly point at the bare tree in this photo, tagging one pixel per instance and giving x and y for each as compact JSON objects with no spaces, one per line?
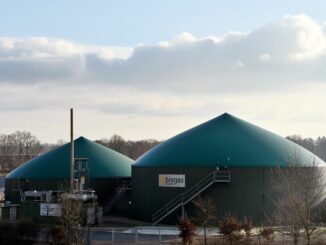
{"x":71,"y":220}
{"x":21,"y":146}
{"x":187,"y":230}
{"x":230,"y":228}
{"x":25,"y":142}
{"x":117,"y":143}
{"x":61,"y":142}
{"x":7,"y":148}
{"x":321,"y":147}
{"x":132,"y":149}
{"x":205,"y":214}
{"x":317,"y":146}
{"x":17,"y":148}
{"x":301,"y":190}
{"x":307,"y":143}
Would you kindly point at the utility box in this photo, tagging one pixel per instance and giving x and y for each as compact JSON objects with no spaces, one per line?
{"x":90,"y":216}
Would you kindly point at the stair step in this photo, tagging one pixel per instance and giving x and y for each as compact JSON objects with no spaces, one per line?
{"x":190,"y":194}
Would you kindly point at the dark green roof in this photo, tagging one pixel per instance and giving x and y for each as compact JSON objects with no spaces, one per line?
{"x":103,"y":162}
{"x":227,"y":141}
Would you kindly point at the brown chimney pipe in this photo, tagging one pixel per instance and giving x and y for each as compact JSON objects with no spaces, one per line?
{"x":72,"y":150}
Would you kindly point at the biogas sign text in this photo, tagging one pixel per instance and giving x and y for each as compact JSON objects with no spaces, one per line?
{"x":171,"y":180}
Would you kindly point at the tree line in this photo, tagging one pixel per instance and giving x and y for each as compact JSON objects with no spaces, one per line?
{"x":316,"y":146}
{"x":17,"y":148}
{"x":130,"y":148}
{"x":21,"y":146}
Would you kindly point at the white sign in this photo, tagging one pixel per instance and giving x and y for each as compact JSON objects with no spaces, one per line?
{"x":50,"y":209}
{"x":171,"y":180}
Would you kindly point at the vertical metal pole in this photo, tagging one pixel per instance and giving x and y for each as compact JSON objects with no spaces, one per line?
{"x":90,"y":235}
{"x":183,"y":208}
{"x":72,"y":150}
{"x":112,"y":235}
{"x":136,"y":235}
{"x":159,"y":234}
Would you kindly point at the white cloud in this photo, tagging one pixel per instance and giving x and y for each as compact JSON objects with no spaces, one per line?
{"x":265,"y":57}
{"x":183,"y":38}
{"x":261,"y":75}
{"x":292,"y":50}
{"x":310,"y":37}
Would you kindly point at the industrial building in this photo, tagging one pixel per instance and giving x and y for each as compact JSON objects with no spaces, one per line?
{"x":102,"y":170}
{"x":226,"y":159}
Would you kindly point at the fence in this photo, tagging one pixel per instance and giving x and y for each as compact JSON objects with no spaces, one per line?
{"x":134,"y":235}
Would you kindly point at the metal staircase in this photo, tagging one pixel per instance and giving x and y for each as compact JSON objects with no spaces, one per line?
{"x":191,"y":193}
{"x":112,"y":200}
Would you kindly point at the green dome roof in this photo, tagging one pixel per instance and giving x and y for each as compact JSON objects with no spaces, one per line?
{"x":227,"y":141}
{"x":102,"y":162}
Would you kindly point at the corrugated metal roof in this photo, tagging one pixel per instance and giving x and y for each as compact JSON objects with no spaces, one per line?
{"x":103,"y":162}
{"x":226,"y":141}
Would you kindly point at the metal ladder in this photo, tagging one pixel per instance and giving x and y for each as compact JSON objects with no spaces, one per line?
{"x":191,"y":193}
{"x":111,"y":201}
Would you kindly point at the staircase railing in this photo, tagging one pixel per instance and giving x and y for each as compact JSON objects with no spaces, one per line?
{"x":191,"y":193}
{"x":111,"y":201}
{"x":2,"y":199}
{"x":22,"y":195}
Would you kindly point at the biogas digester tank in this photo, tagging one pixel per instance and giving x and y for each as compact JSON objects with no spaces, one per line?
{"x":51,"y":170}
{"x":226,"y":143}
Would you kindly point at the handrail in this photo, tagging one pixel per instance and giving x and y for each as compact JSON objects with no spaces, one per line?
{"x":22,"y":195}
{"x":112,"y":200}
{"x":191,"y":193}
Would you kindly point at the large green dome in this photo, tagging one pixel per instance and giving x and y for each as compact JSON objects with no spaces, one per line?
{"x":227,"y":141}
{"x":102,"y":162}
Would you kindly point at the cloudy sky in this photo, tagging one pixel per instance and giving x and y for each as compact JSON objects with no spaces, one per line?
{"x":153,"y":69}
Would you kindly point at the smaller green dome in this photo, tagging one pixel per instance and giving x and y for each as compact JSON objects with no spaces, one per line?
{"x":102,"y":162}
{"x":227,"y":141}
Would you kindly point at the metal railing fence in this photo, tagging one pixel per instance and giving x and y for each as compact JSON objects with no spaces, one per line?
{"x":133,"y":235}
